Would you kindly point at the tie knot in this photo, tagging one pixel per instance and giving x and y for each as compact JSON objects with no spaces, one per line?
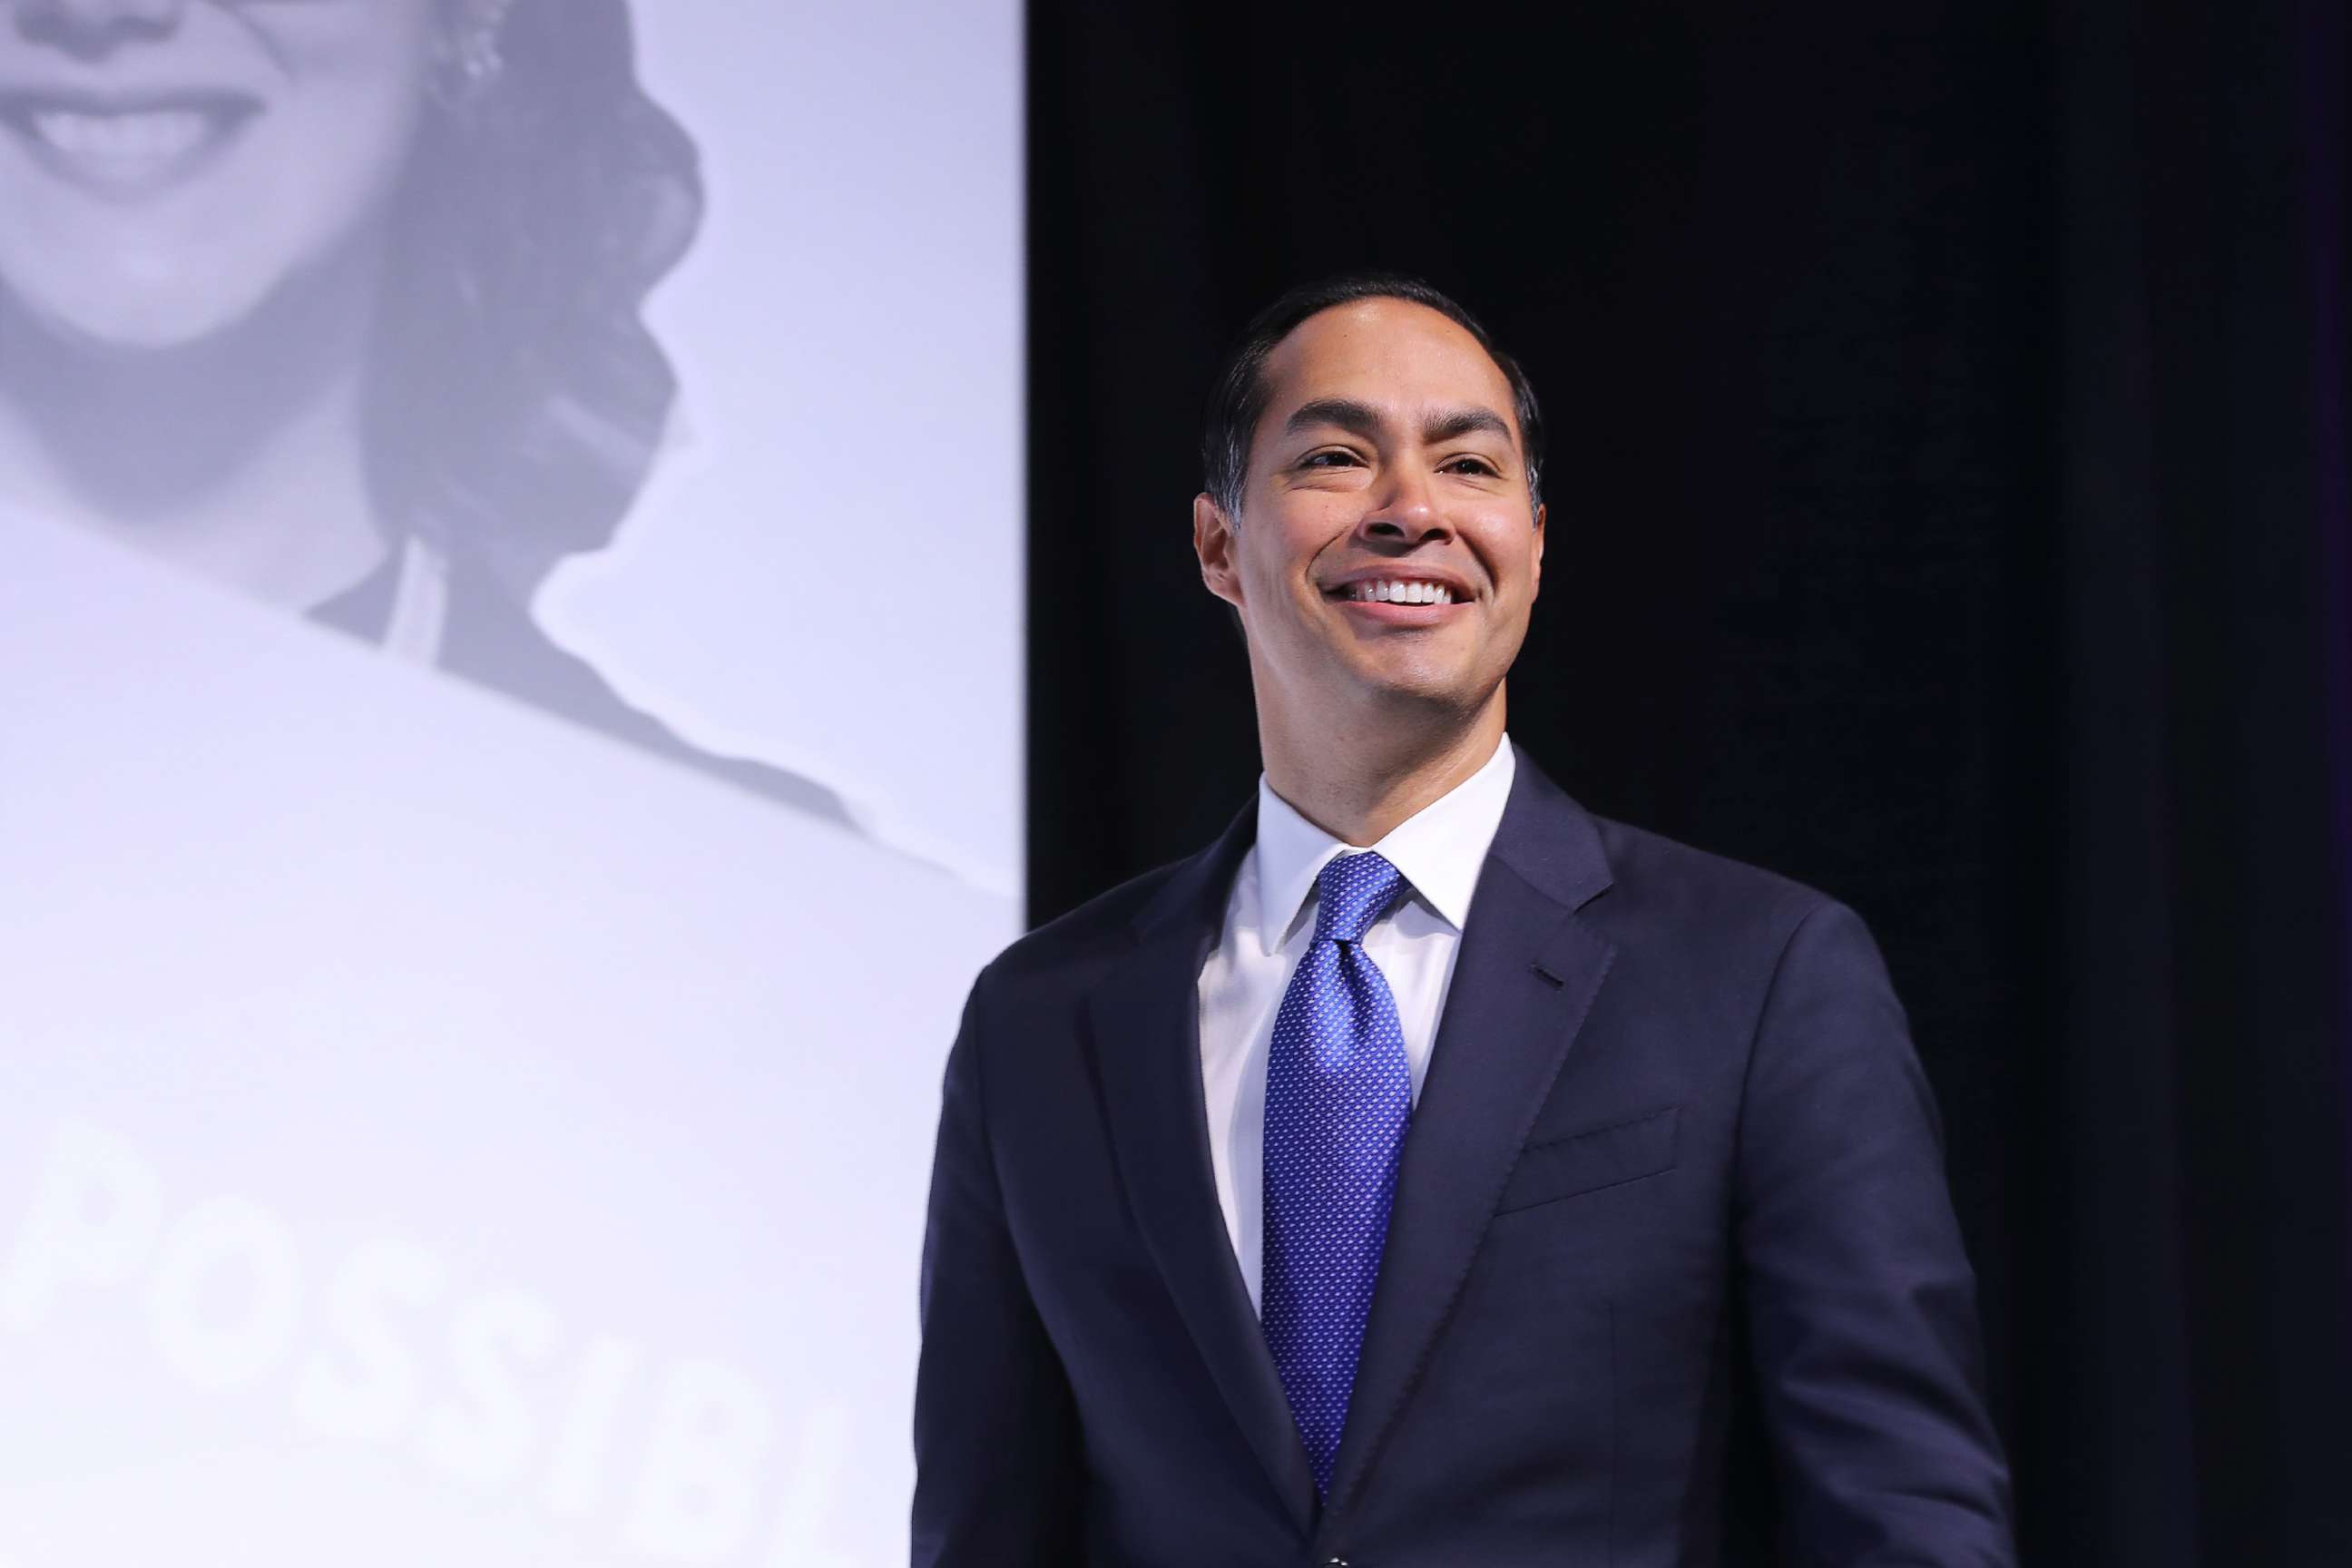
{"x":1350,"y":893}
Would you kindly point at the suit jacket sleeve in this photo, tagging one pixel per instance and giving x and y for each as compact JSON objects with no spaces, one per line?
{"x":1861,"y":1310}
{"x":997,"y":1464}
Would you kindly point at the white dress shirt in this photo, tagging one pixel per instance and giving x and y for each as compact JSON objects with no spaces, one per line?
{"x":1270,"y":920}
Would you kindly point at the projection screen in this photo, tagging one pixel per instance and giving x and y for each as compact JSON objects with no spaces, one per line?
{"x":509,"y":715}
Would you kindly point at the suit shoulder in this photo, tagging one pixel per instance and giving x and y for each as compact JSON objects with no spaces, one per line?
{"x":1075,"y":943}
{"x":1660,"y":878}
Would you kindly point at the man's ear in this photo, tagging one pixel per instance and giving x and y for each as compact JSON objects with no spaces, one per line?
{"x":1214,"y":541}
{"x":1535,"y":580}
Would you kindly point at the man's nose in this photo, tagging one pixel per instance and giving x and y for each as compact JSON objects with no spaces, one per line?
{"x":94,"y":26}
{"x":1407,"y":508}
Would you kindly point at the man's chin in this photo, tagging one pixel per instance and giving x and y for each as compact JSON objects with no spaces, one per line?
{"x":1427,"y":695}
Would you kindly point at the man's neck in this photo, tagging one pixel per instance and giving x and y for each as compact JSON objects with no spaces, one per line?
{"x":1363,"y":776}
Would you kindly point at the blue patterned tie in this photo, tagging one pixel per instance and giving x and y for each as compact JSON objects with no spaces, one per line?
{"x":1338,"y":1094}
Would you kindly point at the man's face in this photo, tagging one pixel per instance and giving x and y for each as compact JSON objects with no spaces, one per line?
{"x":1387,"y":465}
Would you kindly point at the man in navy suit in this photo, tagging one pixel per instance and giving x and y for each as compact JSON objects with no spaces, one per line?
{"x":1430,"y":1172}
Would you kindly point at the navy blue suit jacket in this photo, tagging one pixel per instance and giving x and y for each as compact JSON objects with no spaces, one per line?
{"x":1674,"y":1158}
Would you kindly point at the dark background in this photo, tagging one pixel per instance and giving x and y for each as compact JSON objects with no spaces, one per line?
{"x":1948,"y":509}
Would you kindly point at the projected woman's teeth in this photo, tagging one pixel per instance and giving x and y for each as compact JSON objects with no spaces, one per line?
{"x":123,"y":150}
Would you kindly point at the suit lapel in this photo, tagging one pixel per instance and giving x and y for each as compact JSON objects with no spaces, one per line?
{"x":1523,"y":981}
{"x":1146,"y":1042}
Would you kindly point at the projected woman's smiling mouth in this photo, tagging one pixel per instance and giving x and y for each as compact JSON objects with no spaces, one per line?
{"x":169,"y":166}
{"x":127,"y":146}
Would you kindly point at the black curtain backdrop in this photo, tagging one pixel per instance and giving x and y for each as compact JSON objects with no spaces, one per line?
{"x":1948,"y":510}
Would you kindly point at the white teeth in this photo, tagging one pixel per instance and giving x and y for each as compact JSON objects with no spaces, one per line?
{"x":151,"y":136}
{"x":1397,"y":592}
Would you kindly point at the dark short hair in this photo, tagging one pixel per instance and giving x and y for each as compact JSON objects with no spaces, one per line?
{"x":1238,"y":396}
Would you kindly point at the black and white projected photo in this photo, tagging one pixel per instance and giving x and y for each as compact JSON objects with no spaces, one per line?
{"x":509,"y":703}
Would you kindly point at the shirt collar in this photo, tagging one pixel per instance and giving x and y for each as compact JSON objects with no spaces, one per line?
{"x":1439,"y":849}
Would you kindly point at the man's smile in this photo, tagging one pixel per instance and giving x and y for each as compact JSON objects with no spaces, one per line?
{"x":1401,"y":598}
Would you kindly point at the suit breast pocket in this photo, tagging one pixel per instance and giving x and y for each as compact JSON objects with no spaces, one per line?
{"x":1587,"y":1162}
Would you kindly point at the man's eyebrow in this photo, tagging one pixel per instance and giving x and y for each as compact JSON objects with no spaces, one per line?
{"x":1362,"y":419}
{"x":1457,"y":423}
{"x":1356,"y":418}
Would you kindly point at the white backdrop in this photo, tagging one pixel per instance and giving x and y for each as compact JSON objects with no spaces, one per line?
{"x":435,"y":1132}
{"x":844,"y":492}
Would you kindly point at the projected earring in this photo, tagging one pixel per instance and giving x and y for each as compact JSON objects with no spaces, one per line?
{"x":467,"y":57}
